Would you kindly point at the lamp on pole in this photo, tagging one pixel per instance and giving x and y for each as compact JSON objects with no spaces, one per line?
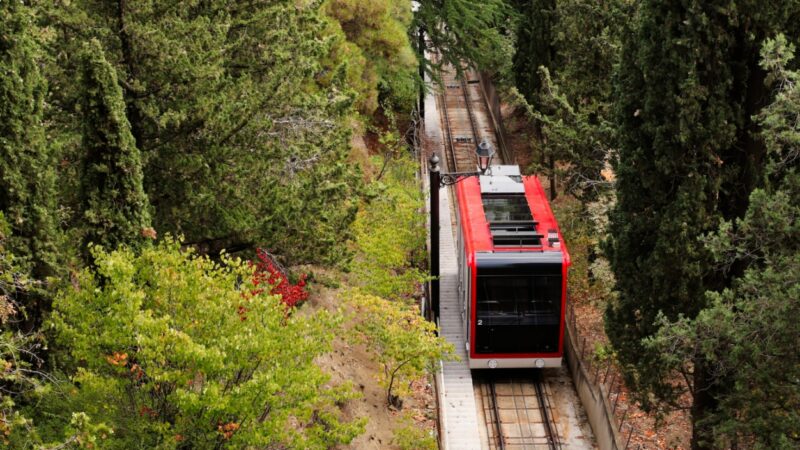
{"x":439,"y":179}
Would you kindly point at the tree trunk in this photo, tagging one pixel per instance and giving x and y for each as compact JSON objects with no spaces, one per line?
{"x":705,"y":402}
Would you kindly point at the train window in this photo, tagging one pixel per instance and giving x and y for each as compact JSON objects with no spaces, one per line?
{"x":504,"y":208}
{"x":519,"y":295}
{"x":545,"y":296}
{"x":518,"y":313}
{"x":510,"y":221}
{"x":501,"y":295}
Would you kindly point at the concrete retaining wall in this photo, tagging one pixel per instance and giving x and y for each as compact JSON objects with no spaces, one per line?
{"x":594,"y":397}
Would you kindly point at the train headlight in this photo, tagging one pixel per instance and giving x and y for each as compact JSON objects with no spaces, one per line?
{"x":539,"y":363}
{"x":493,"y":364}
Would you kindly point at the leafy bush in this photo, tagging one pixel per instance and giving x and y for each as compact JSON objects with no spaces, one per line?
{"x":389,"y":234}
{"x":15,"y":375}
{"x":162,"y":356}
{"x":412,"y":437}
{"x":404,"y":342}
{"x":589,"y":276}
{"x":268,"y":272}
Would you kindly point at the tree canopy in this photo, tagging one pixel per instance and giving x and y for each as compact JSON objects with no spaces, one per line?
{"x":27,"y":164}
{"x":748,"y":334}
{"x":694,"y":121}
{"x":229,"y":124}
{"x":688,"y":87}
{"x":114,"y":206}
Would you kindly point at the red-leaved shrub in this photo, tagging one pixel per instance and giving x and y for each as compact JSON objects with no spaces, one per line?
{"x":269,"y":273}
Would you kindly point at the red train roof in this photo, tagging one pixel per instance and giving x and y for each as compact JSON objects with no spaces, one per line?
{"x":475,"y":224}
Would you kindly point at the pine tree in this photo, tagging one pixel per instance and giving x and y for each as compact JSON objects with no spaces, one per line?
{"x":115,"y":207}
{"x":468,"y":32}
{"x":377,"y":31}
{"x":565,"y":52}
{"x":687,"y":88}
{"x":27,"y":164}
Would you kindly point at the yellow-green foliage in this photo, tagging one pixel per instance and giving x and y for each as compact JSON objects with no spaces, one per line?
{"x":413,"y":437}
{"x":378,"y":29}
{"x":174,"y":350}
{"x":404,"y":343}
{"x":389,"y":234}
{"x":346,"y":62}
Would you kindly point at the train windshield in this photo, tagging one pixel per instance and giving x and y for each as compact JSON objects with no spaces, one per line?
{"x":518,"y":314}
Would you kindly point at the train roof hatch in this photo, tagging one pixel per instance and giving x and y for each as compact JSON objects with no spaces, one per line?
{"x":510,"y":221}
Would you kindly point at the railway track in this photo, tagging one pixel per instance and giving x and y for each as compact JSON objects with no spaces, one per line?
{"x":467,"y":121}
{"x":514,"y":404}
{"x":516,"y":409}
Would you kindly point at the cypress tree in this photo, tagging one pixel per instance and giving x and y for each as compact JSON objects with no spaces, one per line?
{"x":750,"y":332}
{"x":115,"y":207}
{"x":687,"y":88}
{"x":27,"y":164}
{"x":234,"y":106}
{"x":534,"y":47}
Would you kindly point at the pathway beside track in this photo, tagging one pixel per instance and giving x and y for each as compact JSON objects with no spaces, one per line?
{"x":458,"y":412}
{"x":457,"y":400}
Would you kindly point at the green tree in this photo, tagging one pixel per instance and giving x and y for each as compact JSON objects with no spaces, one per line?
{"x":23,"y":366}
{"x":687,"y":87}
{"x":534,"y":44}
{"x":241,"y":112}
{"x":16,"y":376}
{"x":379,"y":31}
{"x":173,"y":350}
{"x":570,"y":107}
{"x":467,"y":32}
{"x":587,"y":41}
{"x":28,"y":196}
{"x":389,"y":235}
{"x":114,"y":205}
{"x":748,"y":333}
{"x":405,"y":344}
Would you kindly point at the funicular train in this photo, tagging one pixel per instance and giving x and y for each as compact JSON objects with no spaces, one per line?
{"x":512,"y":271}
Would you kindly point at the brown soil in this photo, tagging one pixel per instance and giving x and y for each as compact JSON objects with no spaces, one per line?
{"x":354,"y":364}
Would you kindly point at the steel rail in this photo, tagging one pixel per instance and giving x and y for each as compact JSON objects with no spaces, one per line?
{"x":450,"y":157}
{"x":497,"y":123}
{"x":465,"y":90}
{"x":544,"y":406}
{"x":501,"y":440}
{"x":462,"y":98}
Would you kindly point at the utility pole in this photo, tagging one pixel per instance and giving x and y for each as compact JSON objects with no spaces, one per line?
{"x":435,"y":182}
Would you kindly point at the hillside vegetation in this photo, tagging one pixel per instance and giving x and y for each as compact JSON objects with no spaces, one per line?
{"x":149,"y":149}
